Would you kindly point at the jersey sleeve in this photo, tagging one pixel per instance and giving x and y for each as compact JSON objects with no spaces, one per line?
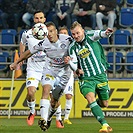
{"x":95,"y":35}
{"x":23,"y":38}
{"x":72,"y":54}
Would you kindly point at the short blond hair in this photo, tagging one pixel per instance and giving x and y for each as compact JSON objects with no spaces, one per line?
{"x":74,"y":24}
{"x":63,"y":28}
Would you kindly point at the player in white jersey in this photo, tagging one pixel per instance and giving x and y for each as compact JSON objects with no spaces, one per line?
{"x":68,"y":92}
{"x":56,"y":71}
{"x":35,"y":66}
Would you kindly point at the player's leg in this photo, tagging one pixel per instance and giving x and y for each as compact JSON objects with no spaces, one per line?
{"x":55,"y":108}
{"x":68,"y":107}
{"x":57,"y":93}
{"x":88,"y":90}
{"x":54,"y":102}
{"x":47,"y":83}
{"x":58,"y":115}
{"x":31,"y":104}
{"x":103,"y":96}
{"x":31,"y":84}
{"x":44,"y":107}
{"x":59,"y":123}
{"x":68,"y":95}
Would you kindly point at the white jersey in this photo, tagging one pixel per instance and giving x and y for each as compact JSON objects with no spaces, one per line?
{"x":37,"y":61}
{"x":54,"y":51}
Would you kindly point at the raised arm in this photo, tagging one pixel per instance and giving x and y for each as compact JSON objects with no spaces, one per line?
{"x":98,"y":34}
{"x":24,"y":56}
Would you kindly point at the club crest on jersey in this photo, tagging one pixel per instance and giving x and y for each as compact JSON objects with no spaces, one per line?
{"x":29,"y":82}
{"x":63,"y":45}
{"x":83,"y":53}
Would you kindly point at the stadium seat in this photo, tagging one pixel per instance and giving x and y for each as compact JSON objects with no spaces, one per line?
{"x":126,"y":17}
{"x":129,"y":2}
{"x":4,"y":59}
{"x":119,"y":2}
{"x":104,"y":41}
{"x":113,"y":59}
{"x":8,"y":36}
{"x":121,"y":37}
{"x":129,"y":59}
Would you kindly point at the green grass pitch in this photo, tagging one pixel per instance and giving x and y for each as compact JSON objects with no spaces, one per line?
{"x":81,"y":125}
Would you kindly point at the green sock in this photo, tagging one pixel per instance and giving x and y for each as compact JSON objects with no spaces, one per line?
{"x":97,"y":112}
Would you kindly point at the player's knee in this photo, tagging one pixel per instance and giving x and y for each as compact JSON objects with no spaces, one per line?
{"x":31,"y":92}
{"x":101,"y":103}
{"x":105,"y":104}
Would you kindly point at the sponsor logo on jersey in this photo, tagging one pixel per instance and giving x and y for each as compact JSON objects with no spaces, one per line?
{"x":58,"y":60}
{"x":84,"y":53}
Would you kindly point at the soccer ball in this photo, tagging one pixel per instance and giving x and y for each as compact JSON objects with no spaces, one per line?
{"x":39,"y":31}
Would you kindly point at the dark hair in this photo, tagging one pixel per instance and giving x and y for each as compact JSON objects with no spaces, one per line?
{"x":39,"y":11}
{"x":50,"y":23}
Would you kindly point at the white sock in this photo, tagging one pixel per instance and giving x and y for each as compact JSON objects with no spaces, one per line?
{"x":58,"y":113}
{"x":31,"y":105}
{"x":44,"y":108}
{"x":68,"y":108}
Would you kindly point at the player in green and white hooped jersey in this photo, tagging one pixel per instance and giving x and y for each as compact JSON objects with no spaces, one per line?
{"x":87,"y":54}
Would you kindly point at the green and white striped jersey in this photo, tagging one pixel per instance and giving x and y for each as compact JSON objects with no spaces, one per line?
{"x":89,"y":54}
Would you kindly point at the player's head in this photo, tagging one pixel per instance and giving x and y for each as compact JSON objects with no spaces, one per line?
{"x":77,"y":31}
{"x":63,"y":30}
{"x":52,"y":32}
{"x":39,"y":17}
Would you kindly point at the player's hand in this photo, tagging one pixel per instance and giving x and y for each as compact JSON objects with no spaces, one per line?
{"x":13,"y":66}
{"x":79,"y":72}
{"x":67,"y":59}
{"x":109,"y":32}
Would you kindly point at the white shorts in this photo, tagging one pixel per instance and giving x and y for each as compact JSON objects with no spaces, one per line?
{"x":33,"y":78}
{"x":69,"y":86}
{"x":57,"y":79}
{"x":48,"y":78}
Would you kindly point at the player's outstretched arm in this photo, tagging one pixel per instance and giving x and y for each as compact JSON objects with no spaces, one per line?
{"x":25,"y":55}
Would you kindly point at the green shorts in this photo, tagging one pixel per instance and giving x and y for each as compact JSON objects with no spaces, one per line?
{"x":97,"y":84}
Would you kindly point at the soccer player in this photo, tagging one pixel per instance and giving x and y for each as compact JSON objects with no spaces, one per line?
{"x":68,"y":90}
{"x":87,"y":60}
{"x":35,"y":66}
{"x":63,"y":30}
{"x":57,"y":73}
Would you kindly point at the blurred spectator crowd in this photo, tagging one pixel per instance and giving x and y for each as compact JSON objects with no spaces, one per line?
{"x":90,"y":13}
